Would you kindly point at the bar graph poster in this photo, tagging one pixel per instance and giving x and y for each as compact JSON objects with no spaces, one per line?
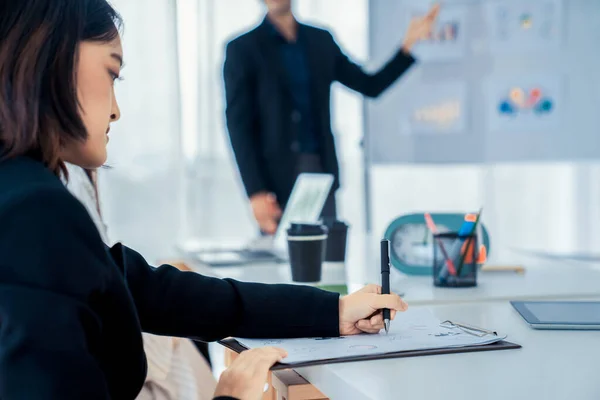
{"x":448,"y":39}
{"x":524,"y":26}
{"x":437,"y":109}
{"x":524,"y":104}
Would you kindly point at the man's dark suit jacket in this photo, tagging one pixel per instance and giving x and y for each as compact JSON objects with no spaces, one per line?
{"x":261,"y":119}
{"x":72,"y":310}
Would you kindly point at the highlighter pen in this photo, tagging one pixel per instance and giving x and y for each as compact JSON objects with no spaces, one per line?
{"x":385,"y":279}
{"x":469,"y":241}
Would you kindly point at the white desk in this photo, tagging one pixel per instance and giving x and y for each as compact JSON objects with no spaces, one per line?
{"x":333,"y":273}
{"x":544,"y":279}
{"x":551,"y":365}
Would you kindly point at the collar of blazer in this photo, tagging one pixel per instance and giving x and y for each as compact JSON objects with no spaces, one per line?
{"x":269,"y":46}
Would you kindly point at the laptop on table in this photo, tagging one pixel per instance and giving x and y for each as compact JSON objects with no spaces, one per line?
{"x":306,"y":203}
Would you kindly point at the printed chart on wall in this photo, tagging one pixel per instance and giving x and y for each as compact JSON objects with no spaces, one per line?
{"x":448,"y":38}
{"x":524,"y":104}
{"x":525,"y":26}
{"x":436,"y":109}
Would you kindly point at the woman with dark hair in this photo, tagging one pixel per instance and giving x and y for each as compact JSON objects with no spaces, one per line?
{"x":71,"y":309}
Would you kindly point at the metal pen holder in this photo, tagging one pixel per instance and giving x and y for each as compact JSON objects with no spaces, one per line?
{"x":455,"y":260}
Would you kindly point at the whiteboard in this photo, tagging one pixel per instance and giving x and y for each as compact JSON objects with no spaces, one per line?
{"x":498,"y":81}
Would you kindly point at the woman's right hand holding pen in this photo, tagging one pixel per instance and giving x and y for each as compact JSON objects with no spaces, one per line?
{"x":361,"y":311}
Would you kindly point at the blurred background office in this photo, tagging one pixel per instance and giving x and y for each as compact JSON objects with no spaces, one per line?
{"x":173,"y":179}
{"x":172,"y":168}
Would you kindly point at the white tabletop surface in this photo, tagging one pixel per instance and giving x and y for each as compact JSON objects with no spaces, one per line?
{"x":544,"y":278}
{"x":551,"y":365}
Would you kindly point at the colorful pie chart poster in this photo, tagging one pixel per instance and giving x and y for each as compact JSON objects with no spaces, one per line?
{"x":521,"y":104}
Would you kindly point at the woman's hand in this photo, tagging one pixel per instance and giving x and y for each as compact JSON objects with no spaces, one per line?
{"x":362,"y":311}
{"x":420,"y":28}
{"x":246,"y":377}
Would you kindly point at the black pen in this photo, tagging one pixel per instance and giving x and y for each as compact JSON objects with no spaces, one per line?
{"x":385,"y":279}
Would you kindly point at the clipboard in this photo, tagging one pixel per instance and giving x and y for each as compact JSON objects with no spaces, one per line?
{"x":237,"y":347}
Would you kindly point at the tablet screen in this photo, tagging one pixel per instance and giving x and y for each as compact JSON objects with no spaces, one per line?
{"x":560,"y":312}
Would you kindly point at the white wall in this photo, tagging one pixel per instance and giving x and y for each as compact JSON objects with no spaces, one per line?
{"x":142,"y":194}
{"x":214,"y":200}
{"x":542,"y":207}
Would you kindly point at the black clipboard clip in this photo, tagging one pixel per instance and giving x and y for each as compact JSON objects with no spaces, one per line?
{"x":470,"y":329}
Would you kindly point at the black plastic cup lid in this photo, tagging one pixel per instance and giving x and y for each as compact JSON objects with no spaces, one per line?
{"x":303,"y":229}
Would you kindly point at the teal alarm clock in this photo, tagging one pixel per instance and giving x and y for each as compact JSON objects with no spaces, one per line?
{"x":411,"y":242}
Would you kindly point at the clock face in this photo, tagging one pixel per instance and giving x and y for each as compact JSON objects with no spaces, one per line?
{"x":412,"y":244}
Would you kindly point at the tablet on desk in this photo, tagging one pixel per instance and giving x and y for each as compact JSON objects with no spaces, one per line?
{"x":560,"y":314}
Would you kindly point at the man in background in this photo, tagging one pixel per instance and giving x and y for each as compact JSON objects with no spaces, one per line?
{"x":278,"y":80}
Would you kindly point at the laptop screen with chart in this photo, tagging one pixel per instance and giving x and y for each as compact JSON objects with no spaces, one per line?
{"x":305,"y":205}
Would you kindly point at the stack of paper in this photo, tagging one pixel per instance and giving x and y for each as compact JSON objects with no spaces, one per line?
{"x":415,"y":329}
